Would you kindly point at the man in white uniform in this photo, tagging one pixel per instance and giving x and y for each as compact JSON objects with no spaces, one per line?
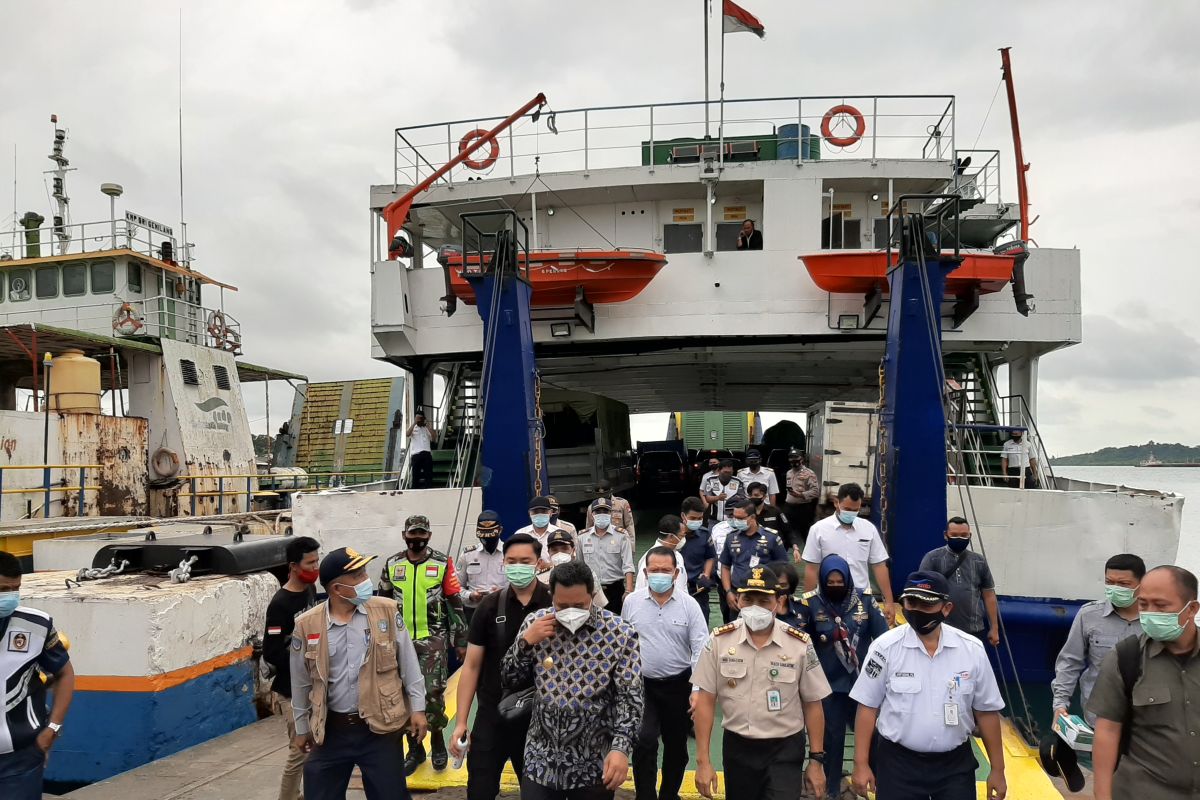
{"x":420,"y":450}
{"x":1018,"y":462}
{"x":670,"y":536}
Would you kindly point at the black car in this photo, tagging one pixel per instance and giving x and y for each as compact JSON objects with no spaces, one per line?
{"x":661,"y":472}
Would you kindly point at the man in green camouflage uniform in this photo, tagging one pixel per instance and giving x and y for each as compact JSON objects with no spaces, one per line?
{"x":424,"y":583}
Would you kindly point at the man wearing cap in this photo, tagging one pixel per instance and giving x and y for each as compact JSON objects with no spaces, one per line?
{"x":561,"y":547}
{"x":558,"y":521}
{"x":800,"y":504}
{"x":482,"y":565}
{"x":356,"y":683}
{"x":769,"y":682}
{"x":608,"y":551}
{"x":540,"y":526}
{"x":425,"y":584}
{"x":618,"y":507}
{"x":746,"y":548}
{"x":754,"y":472}
{"x":924,"y":688}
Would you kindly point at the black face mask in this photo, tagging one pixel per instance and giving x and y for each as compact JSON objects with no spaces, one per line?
{"x":758,"y":501}
{"x":924,"y":622}
{"x":835,"y":594}
{"x":754,"y":465}
{"x":416,"y":545}
{"x":795,"y":464}
{"x":489,"y":543}
{"x":725,"y":479}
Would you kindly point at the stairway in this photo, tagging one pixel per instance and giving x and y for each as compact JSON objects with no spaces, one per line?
{"x":976,"y":404}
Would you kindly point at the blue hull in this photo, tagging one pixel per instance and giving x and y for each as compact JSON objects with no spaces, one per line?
{"x":1036,"y":628}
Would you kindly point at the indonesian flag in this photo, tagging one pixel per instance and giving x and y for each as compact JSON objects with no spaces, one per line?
{"x":736,"y":19}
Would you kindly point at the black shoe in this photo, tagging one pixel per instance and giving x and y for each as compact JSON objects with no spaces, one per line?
{"x":416,"y":755}
{"x":437,"y":751}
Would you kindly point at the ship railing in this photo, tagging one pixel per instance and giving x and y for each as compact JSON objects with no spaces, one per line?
{"x":895,"y":127}
{"x":49,"y":486}
{"x":259,"y":484}
{"x":90,"y":237}
{"x":981,"y":179}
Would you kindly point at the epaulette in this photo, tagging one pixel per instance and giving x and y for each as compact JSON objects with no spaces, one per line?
{"x":769,"y":530}
{"x":724,"y":629}
{"x":809,"y":595}
{"x":437,"y":555}
{"x":470,"y":548}
{"x":796,"y":633}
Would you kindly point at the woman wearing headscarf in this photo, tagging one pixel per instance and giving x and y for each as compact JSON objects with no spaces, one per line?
{"x":842,"y":621}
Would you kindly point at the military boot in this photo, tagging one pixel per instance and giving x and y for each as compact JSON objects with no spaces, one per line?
{"x":416,"y":755}
{"x":437,"y":750}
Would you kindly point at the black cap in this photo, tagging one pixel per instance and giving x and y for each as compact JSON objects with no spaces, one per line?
{"x":601,"y":502}
{"x":488,"y":524}
{"x":762,"y":580}
{"x":753,"y":454}
{"x":341,"y":561}
{"x":540,"y":502}
{"x":560,"y":536}
{"x":795,"y":453}
{"x":1058,"y":758}
{"x":930,"y":587}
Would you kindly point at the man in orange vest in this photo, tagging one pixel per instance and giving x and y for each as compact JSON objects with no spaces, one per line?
{"x":356,"y":684}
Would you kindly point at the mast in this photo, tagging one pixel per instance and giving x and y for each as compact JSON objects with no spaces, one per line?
{"x":1022,"y":167}
{"x":61,"y":201}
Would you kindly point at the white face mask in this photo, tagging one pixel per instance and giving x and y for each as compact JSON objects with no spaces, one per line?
{"x":572,"y":618}
{"x":560,"y":558}
{"x":757,"y":618}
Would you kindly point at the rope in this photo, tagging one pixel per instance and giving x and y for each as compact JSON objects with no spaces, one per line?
{"x":576,"y":213}
{"x":995,"y":94}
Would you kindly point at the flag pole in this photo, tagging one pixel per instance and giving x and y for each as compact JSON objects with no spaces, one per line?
{"x":705,"y":3}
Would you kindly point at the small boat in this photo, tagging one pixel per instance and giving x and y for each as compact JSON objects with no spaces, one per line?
{"x":860,"y":271}
{"x":606,"y":276}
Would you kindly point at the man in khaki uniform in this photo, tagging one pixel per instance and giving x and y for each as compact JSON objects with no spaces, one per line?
{"x":770,"y":684}
{"x":616,"y":507}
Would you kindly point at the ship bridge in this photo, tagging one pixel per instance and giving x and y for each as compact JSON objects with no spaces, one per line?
{"x":717,"y":327}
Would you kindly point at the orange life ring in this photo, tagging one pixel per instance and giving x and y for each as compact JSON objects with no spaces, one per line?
{"x":126,"y":321}
{"x":860,"y":126}
{"x":493,"y":150}
{"x":217,"y":328}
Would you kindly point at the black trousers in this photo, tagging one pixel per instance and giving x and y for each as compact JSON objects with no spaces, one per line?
{"x":903,"y":774}
{"x":763,"y":769}
{"x":535,"y":791}
{"x":666,"y":717}
{"x":379,"y":756}
{"x":493,"y":741}
{"x":1014,"y":478}
{"x":615,"y":592}
{"x":800,"y":519}
{"x":422,"y":470}
{"x":703,"y":599}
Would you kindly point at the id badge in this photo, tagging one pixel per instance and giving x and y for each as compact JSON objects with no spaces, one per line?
{"x":774,"y":700}
{"x":950,"y":711}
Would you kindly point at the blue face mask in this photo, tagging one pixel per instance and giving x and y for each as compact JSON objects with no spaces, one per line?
{"x":739,"y":524}
{"x":362,"y":592}
{"x":847,"y":517}
{"x":8,"y":603}
{"x":602,"y":520}
{"x":539,"y":520}
{"x":694,"y":524}
{"x":660,"y":582}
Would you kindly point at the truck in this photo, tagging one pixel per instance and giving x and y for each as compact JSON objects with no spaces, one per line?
{"x":842,"y":443}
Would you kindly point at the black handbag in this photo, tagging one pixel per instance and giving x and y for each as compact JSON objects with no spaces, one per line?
{"x":516,"y":705}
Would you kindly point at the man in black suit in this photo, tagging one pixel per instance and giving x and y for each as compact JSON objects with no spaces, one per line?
{"x":749,"y":238}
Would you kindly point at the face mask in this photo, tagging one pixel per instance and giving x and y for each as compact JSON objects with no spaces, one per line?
{"x":362,"y":592}
{"x":738,"y":524}
{"x":572,"y":618}
{"x":957,"y":544}
{"x":539,"y":520}
{"x":660,"y":582}
{"x":754,"y":465}
{"x":1119,"y":596}
{"x":758,"y":501}
{"x":924,"y":622}
{"x":554,"y":518}
{"x":305,"y":576}
{"x":725,"y":479}
{"x":679,"y":545}
{"x":603,"y":520}
{"x":694,"y":524}
{"x":520,"y":575}
{"x":795,"y":465}
{"x":835,"y":594}
{"x":416,"y":545}
{"x":1163,"y":626}
{"x":8,"y":603}
{"x":847,"y":517}
{"x":489,"y":543}
{"x":560,"y":558}
{"x":756,"y":617}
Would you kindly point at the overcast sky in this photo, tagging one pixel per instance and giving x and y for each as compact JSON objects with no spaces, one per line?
{"x":288,"y":109}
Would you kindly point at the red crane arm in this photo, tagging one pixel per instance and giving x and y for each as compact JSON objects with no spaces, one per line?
{"x":1022,"y":167}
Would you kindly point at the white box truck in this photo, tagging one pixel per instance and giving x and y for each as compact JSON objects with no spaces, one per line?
{"x":841,"y":443}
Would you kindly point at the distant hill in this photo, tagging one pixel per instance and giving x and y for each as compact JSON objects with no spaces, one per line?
{"x":1132,"y":455}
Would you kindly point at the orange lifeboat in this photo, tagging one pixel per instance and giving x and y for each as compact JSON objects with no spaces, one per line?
{"x":607,"y":276}
{"x":860,"y":271}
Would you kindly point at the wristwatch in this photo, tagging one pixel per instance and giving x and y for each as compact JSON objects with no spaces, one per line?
{"x":56,"y":727}
{"x":817,"y":757}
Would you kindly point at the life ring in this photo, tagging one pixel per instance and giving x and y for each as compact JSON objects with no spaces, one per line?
{"x":218,"y":329}
{"x":172,"y":467}
{"x":126,"y":321}
{"x":233,"y":341}
{"x":493,"y":150}
{"x":860,"y":125}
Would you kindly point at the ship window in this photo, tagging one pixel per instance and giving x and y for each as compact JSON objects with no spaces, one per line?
{"x":102,"y":277}
{"x":46,"y":282}
{"x":74,"y":280}
{"x":133,"y":276}
{"x":18,"y":285}
{"x":727,"y":235}
{"x":840,"y":233}
{"x":681,"y":238}
{"x":188,"y":369}
{"x":222,"y":376}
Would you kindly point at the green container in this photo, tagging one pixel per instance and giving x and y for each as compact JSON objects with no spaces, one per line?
{"x":768,"y":147}
{"x":814,"y":148}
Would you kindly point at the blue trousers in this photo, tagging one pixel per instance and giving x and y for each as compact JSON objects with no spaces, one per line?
{"x":839,"y":715}
{"x":21,"y":773}
{"x":380,"y":758}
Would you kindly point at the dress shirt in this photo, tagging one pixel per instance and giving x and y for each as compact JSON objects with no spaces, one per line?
{"x":671,"y":634}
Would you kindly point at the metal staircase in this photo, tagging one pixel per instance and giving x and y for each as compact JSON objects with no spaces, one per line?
{"x":973,"y":439}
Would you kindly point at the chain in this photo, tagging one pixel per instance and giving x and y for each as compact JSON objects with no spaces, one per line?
{"x":882,"y":449}
{"x":538,"y":447}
